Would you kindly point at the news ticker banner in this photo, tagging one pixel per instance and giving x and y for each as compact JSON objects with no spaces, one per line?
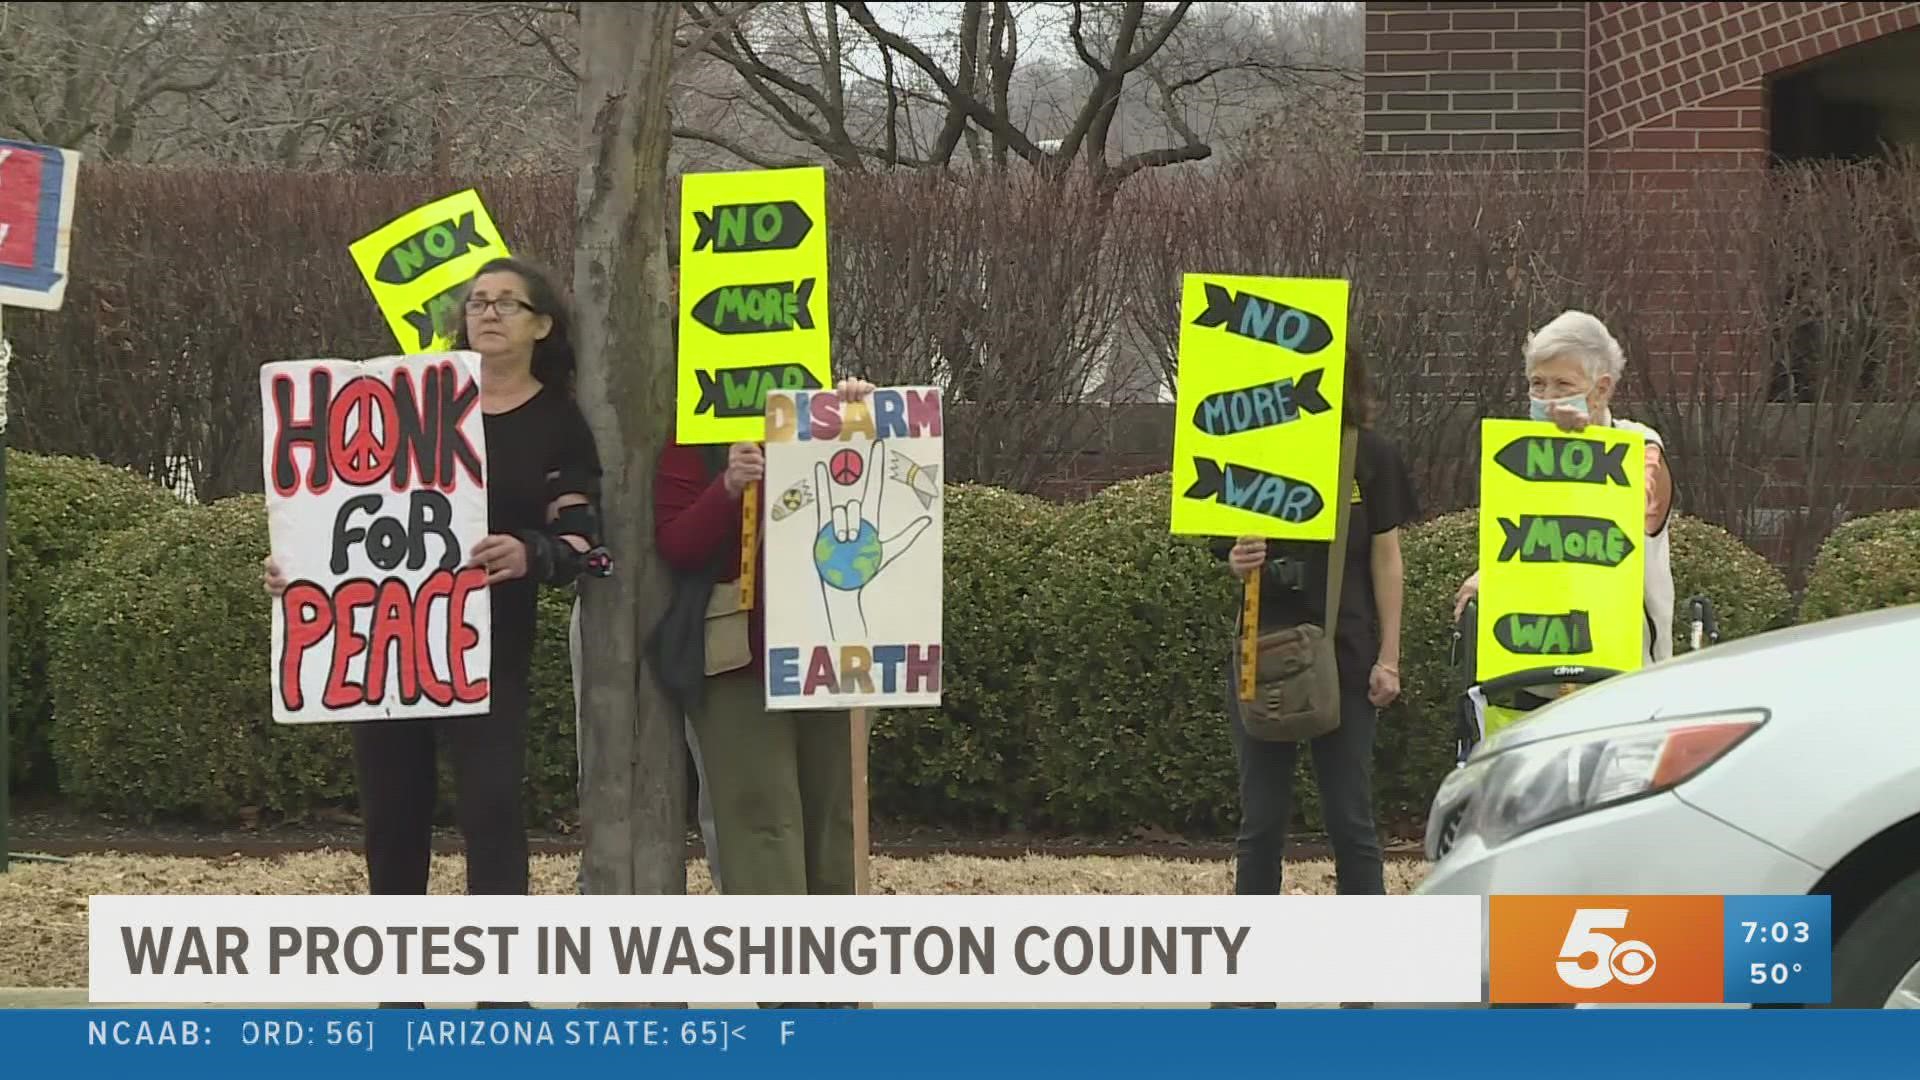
{"x":883,"y":949}
{"x":951,"y":950}
{"x":476,"y":1045}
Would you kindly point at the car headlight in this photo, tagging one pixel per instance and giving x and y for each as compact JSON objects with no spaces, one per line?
{"x":1540,"y":783}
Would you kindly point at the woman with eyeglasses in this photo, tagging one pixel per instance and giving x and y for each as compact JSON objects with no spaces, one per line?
{"x":543,"y":486}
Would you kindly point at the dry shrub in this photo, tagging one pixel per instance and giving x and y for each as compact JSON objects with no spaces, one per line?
{"x":185,"y":282}
{"x":1769,"y":319}
{"x":994,"y":288}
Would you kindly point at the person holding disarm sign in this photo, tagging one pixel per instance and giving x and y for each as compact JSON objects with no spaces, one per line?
{"x":781,"y":782}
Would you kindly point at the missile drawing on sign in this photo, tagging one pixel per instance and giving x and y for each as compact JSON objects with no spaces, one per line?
{"x":920,"y":479}
{"x":797,"y":497}
{"x":765,"y":226}
{"x":437,"y":314}
{"x":756,"y":309}
{"x":1564,"y":538}
{"x":1281,"y":401}
{"x":1250,"y":489}
{"x":1568,"y":633}
{"x":1264,"y":320}
{"x":1584,"y":461}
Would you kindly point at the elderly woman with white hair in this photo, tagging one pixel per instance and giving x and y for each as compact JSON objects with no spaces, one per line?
{"x":1573,"y":367}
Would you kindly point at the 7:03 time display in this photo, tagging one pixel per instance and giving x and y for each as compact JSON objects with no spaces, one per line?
{"x":1779,"y":933}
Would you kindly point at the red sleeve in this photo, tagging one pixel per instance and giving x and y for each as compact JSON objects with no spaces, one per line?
{"x":695,"y":520}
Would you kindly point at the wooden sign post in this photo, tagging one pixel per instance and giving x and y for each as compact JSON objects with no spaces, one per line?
{"x":862,"y":814}
{"x":1250,"y":636}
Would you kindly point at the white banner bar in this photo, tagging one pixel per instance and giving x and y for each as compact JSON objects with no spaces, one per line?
{"x":885,"y":949}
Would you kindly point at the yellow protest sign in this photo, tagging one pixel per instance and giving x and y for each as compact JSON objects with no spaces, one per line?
{"x":1562,"y":548}
{"x":417,"y":263}
{"x":1257,"y":406}
{"x":753,"y":298}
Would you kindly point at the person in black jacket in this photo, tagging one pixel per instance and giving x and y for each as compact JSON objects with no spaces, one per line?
{"x":543,"y":484}
{"x":1367,"y":651}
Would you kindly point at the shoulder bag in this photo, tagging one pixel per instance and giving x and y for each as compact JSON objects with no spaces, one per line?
{"x":1296,"y":694}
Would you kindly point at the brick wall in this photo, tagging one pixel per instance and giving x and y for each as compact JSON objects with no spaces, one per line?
{"x":1648,"y":88}
{"x":1667,"y":98}
{"x":1677,"y":88}
{"x":1475,"y":79}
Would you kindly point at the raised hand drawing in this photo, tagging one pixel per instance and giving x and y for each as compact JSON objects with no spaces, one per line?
{"x":848,"y":550}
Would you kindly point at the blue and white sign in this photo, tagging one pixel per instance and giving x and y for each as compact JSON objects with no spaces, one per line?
{"x":36,"y":223}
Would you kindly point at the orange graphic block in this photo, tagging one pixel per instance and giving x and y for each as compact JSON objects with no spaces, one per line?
{"x":1647,"y":950}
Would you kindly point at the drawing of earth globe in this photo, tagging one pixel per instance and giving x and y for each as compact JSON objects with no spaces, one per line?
{"x":850,"y":564}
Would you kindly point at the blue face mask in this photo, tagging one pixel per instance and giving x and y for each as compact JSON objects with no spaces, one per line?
{"x":1542,"y":409}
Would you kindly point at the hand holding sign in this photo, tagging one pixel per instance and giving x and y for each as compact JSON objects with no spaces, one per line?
{"x":848,"y":551}
{"x":503,"y":557}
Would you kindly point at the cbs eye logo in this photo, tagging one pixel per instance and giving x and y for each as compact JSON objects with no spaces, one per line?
{"x":1590,"y":959}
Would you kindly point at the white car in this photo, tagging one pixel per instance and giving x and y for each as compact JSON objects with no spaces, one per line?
{"x":1785,"y":763}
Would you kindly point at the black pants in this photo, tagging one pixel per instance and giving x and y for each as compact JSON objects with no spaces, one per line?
{"x":395,"y":761}
{"x":1343,"y":765}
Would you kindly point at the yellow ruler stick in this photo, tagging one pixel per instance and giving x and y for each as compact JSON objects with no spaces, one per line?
{"x":749,"y":543}
{"x":1249,"y":636}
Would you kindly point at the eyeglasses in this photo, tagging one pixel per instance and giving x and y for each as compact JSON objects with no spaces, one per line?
{"x":507,"y":306}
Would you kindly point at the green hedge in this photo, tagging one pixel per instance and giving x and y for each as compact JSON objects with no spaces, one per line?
{"x":1129,"y":678}
{"x":552,"y":760}
{"x":161,"y":682}
{"x":1087,"y":654}
{"x":59,"y":509}
{"x":964,"y":765}
{"x":1750,"y":596}
{"x":160,"y":654}
{"x":1414,"y":747}
{"x":1868,"y":563}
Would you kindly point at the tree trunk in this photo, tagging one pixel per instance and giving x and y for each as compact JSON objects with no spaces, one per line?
{"x":633,"y":801}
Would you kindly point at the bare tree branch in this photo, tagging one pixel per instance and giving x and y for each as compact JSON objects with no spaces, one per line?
{"x":976,"y":110}
{"x":739,"y":150}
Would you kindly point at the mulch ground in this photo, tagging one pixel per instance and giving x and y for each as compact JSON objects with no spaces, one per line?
{"x":43,"y":905}
{"x":52,"y":830}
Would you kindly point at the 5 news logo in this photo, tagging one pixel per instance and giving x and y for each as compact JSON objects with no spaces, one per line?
{"x":1661,"y":950}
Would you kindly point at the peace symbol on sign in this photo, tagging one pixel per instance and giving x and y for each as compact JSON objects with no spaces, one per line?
{"x":363,"y":457}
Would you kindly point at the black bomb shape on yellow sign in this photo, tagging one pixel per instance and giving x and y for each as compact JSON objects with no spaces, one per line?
{"x":1562,"y":559}
{"x":754,"y":298}
{"x":1259,"y":401}
{"x":418,"y":264}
